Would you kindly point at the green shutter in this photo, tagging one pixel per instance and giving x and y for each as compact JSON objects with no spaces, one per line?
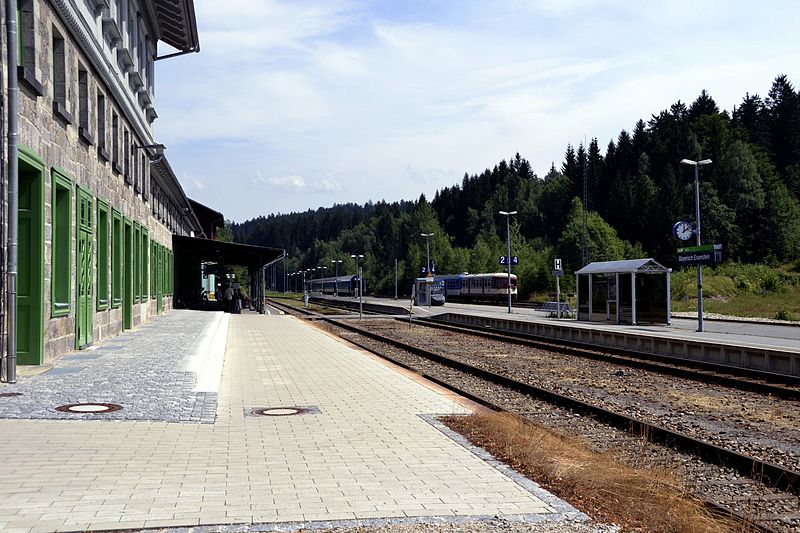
{"x":137,"y":262}
{"x":153,"y":262}
{"x":116,"y":259}
{"x":61,"y":246}
{"x":145,"y":263}
{"x":102,"y":255}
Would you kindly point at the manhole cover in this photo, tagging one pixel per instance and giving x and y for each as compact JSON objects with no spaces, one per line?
{"x":81,"y":408}
{"x":279,"y":411}
{"x":9,"y":394}
{"x":284,"y":410}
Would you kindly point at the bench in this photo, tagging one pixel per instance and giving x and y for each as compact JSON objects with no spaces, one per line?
{"x":552,"y":309}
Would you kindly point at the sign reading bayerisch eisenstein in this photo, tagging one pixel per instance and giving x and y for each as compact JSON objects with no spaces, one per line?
{"x":707,"y":254}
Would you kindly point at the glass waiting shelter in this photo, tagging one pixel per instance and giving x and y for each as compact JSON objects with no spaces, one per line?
{"x":635,"y":291}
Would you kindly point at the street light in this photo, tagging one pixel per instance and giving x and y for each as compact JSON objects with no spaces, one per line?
{"x":428,"y":248}
{"x":360,"y":286}
{"x":696,"y":165}
{"x":508,"y":251}
{"x":336,"y":280}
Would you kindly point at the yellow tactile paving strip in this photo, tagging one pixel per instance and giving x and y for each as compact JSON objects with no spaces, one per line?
{"x":365,"y":454}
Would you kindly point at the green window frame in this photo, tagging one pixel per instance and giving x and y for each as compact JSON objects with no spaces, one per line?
{"x":102,"y":255}
{"x":117,"y":247}
{"x":145,"y":264}
{"x":137,"y":262}
{"x":61,"y":246}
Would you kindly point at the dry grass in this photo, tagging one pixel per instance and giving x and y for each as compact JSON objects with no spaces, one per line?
{"x":608,"y":491}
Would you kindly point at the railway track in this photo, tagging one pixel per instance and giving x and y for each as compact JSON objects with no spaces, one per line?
{"x":778,"y":385}
{"x":721,"y":476}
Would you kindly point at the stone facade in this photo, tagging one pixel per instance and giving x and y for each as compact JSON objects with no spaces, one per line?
{"x":85,"y":109}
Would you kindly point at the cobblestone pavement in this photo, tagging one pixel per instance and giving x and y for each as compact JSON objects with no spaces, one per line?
{"x":139,"y":370}
{"x":364,"y":451}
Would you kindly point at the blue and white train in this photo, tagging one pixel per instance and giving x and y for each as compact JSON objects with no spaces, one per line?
{"x":478,"y":287}
{"x":343,"y":285}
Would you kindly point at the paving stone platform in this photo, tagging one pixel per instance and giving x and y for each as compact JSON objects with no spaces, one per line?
{"x":366,"y":449}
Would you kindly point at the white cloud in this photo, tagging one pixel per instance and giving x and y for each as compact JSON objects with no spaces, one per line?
{"x":297,"y":184}
{"x":354,"y":100}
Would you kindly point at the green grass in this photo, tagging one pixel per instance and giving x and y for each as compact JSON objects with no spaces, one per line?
{"x":740,"y":290}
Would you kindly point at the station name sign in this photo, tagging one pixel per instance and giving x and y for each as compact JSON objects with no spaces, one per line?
{"x":707,"y":254}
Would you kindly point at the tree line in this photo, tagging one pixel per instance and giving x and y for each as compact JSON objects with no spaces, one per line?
{"x":636,"y":190}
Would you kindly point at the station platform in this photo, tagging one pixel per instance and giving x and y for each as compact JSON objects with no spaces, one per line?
{"x":352,"y":441}
{"x":763,"y":346}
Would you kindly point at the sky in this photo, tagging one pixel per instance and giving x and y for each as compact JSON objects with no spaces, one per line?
{"x":298,"y":104}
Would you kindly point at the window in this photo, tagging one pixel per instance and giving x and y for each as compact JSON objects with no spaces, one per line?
{"x":59,"y":61}
{"x":145,"y":178}
{"x":20,"y":34}
{"x":137,"y":262}
{"x":102,"y":255}
{"x":126,"y":155}
{"x":115,"y":142}
{"x":26,"y":70}
{"x":116,"y":259}
{"x":61,"y":248}
{"x":135,"y":172}
{"x":101,"y":126}
{"x":84,"y":131}
{"x":145,"y":262}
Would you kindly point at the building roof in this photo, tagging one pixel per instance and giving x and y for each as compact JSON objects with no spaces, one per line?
{"x":624,"y":267}
{"x":177,"y":25}
{"x":170,"y":184}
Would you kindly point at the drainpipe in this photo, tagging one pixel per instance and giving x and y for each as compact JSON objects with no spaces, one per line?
{"x":13,"y":169}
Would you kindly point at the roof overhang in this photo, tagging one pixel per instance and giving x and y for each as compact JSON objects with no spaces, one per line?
{"x":228,"y":253}
{"x":176,"y":24}
{"x":169,"y":183}
{"x":639,"y":266}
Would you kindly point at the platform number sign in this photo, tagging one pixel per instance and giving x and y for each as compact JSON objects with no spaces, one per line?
{"x":504,"y":260}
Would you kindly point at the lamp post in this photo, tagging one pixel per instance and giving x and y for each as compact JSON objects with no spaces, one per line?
{"x":360,"y":286}
{"x":696,"y":165}
{"x":336,"y":280}
{"x":429,"y":273}
{"x":428,"y":249}
{"x":508,"y":251}
{"x":305,"y":296}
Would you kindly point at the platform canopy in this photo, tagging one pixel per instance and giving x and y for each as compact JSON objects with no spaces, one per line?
{"x":627,"y":266}
{"x":632,"y":291}
{"x":229,"y":253}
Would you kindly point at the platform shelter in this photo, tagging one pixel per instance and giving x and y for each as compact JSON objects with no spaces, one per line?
{"x":634,"y":291}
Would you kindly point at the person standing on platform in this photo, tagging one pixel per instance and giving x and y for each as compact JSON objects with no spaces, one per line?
{"x":228,"y":298}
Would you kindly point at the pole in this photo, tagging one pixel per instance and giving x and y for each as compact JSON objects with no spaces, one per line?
{"x":336,"y":282}
{"x":395,"y":278}
{"x":360,"y":295}
{"x":508,"y":257}
{"x":697,"y":234}
{"x":558,"y":296}
{"x":428,"y":251}
{"x":12,"y":191}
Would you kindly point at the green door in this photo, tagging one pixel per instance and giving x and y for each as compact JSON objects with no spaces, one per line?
{"x":127,"y":274}
{"x":30,"y":262}
{"x":83,"y":322}
{"x":160,"y":276}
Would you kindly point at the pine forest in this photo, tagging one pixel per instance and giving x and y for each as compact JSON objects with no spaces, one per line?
{"x":636,"y":189}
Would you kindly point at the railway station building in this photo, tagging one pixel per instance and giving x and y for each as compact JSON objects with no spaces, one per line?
{"x":97,"y":202}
